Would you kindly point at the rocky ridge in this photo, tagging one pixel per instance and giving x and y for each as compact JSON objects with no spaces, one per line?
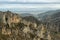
{"x":14,"y":27}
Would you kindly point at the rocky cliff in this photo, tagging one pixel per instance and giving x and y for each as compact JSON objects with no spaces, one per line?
{"x":14,"y":27}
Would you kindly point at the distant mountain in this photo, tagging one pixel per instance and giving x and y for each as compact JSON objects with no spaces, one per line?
{"x":43,"y":16}
{"x":32,"y":19}
{"x":55,"y":17}
{"x":26,"y":14}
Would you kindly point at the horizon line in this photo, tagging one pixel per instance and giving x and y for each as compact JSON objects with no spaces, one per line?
{"x":29,"y":2}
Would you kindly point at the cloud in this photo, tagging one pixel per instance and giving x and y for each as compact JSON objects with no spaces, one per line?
{"x":31,"y":6}
{"x":7,"y":0}
{"x":16,"y":5}
{"x":38,"y":0}
{"x":31,"y":0}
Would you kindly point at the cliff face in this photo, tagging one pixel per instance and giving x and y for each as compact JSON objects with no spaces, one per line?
{"x":14,"y":27}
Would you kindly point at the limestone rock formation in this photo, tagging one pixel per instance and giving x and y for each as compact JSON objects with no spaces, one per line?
{"x":14,"y":27}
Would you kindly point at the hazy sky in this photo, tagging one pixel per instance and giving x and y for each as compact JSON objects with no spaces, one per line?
{"x":31,"y":0}
{"x":29,"y":5}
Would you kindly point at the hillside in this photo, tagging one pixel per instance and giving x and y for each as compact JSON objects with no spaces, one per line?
{"x":31,"y":19}
{"x":44,"y":15}
{"x":15,"y":27}
{"x":25,"y":14}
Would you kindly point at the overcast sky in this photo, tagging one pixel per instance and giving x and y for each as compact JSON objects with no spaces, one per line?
{"x":29,"y":5}
{"x":31,"y":0}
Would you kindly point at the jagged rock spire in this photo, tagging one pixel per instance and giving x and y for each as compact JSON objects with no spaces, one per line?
{"x":43,"y":30}
{"x":49,"y":35}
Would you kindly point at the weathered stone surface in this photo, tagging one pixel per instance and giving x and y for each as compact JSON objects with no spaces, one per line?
{"x":13,"y":27}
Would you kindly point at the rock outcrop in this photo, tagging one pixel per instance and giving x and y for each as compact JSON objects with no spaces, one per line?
{"x":14,"y":27}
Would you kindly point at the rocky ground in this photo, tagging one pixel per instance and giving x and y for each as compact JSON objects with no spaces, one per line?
{"x":17,"y":28}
